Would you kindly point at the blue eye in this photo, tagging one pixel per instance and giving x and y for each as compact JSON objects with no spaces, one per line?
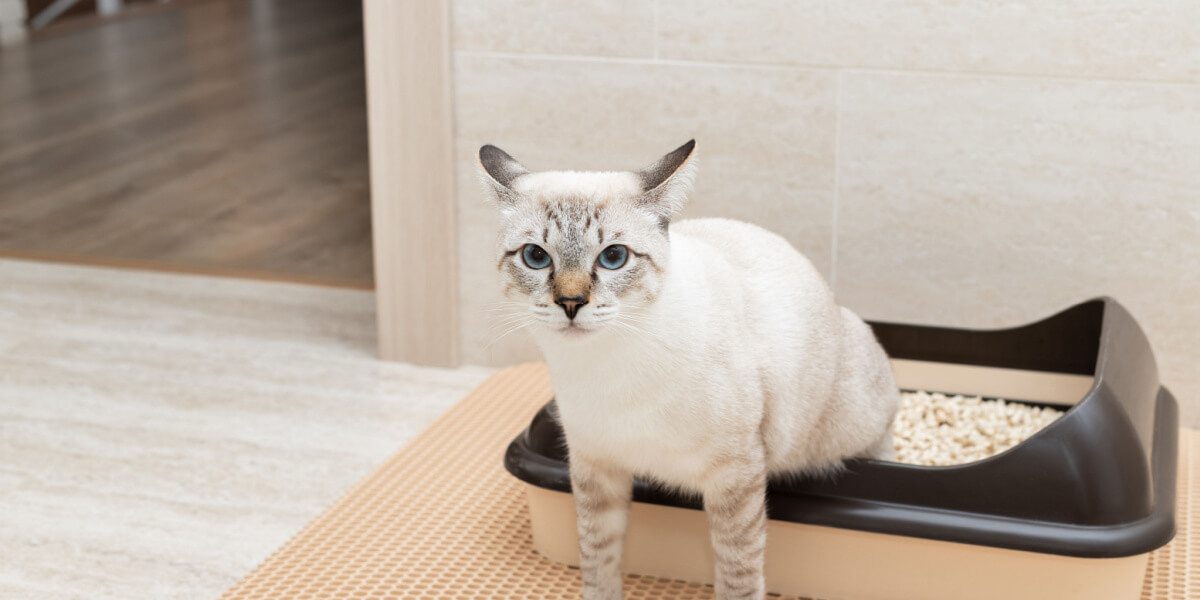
{"x":535,"y":257}
{"x":614,"y":257}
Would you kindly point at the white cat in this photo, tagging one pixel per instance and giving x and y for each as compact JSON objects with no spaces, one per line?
{"x":706,"y":354}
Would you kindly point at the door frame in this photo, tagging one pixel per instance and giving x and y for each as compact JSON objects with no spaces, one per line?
{"x":414,"y":221}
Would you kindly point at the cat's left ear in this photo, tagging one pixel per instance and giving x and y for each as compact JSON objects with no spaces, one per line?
{"x":666,"y":183}
{"x":498,"y":171}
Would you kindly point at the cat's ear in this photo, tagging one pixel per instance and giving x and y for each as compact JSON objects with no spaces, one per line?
{"x":498,"y":171}
{"x":666,"y":183}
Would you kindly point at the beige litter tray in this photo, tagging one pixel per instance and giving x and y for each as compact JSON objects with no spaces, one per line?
{"x":442,"y":519}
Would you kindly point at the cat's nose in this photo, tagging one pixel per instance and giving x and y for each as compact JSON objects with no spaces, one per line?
{"x":571,"y":304}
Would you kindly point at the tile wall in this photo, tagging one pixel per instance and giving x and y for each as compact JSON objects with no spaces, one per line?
{"x":968,"y":164}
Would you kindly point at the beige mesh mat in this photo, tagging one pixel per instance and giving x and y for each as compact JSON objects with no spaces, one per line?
{"x":442,"y":519}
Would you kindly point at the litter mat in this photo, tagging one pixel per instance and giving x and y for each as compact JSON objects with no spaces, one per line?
{"x":442,"y":519}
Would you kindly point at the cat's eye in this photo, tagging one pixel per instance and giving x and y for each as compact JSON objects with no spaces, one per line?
{"x":614,"y":257}
{"x":535,"y":257}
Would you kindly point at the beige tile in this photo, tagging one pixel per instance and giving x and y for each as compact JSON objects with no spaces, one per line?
{"x":623,"y":28}
{"x":765,"y":136}
{"x":988,"y":202}
{"x":1106,"y":38}
{"x":162,"y":434}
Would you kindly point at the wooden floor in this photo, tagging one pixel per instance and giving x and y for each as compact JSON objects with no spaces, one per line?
{"x":223,"y":136}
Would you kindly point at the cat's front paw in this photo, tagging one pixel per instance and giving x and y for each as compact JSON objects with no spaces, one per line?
{"x":603,"y":591}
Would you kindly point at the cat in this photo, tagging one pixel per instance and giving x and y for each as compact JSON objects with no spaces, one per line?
{"x":704,"y":354}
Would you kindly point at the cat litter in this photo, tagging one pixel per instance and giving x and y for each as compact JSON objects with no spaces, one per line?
{"x":935,"y":429}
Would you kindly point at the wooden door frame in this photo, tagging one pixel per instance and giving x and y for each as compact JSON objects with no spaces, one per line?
{"x":413,"y":213}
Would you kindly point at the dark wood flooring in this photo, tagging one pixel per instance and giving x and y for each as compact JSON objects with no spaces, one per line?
{"x":213,"y":135}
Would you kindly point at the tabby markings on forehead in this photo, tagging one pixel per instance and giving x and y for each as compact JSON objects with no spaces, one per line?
{"x":572,"y":247}
{"x":571,"y":251}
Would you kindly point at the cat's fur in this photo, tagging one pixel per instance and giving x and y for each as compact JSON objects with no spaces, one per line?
{"x":714,"y":358}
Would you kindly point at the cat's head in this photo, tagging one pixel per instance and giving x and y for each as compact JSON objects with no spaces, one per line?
{"x":583,"y":251}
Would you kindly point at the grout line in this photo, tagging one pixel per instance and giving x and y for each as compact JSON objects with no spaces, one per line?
{"x":813,"y":67}
{"x":837,"y":181}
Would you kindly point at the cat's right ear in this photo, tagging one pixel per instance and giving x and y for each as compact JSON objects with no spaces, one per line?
{"x":498,"y":171}
{"x":666,"y":183}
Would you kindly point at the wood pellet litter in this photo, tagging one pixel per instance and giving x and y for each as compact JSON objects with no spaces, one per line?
{"x":936,"y":429}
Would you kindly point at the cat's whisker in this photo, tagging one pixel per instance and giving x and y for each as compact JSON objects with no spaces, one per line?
{"x":516,"y":308}
{"x":626,"y":325}
{"x":503,"y":303}
{"x":520,"y":325}
{"x":500,"y":331}
{"x":492,"y":343}
{"x":511,"y":315}
{"x":505,"y":324}
{"x":496,"y":309}
{"x":507,"y":318}
{"x":636,"y":315}
{"x":638,"y":319}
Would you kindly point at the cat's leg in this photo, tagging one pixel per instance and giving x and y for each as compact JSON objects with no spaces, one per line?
{"x":735,"y":502}
{"x":602,"y":497}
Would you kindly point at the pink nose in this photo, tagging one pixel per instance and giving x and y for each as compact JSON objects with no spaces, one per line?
{"x":571,"y":305}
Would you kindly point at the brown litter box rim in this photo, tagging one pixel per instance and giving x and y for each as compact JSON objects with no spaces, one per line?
{"x":1047,"y":537}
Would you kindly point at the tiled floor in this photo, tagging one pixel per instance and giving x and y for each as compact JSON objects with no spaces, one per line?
{"x":162,"y":434}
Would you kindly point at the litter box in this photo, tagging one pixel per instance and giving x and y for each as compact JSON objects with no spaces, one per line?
{"x":1071,"y":512}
